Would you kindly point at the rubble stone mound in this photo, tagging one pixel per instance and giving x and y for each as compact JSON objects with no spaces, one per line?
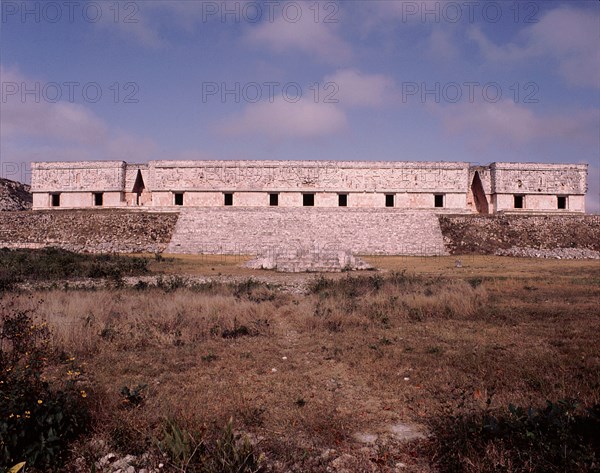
{"x":14,"y":196}
{"x":545,"y":236}
{"x":91,"y":231}
{"x":308,"y":260}
{"x":555,"y":253}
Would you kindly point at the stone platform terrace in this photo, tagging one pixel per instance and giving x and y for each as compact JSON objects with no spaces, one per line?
{"x":258,"y":231}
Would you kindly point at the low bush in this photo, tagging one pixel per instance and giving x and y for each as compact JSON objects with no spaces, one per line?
{"x":362,"y":301}
{"x":229,"y":453}
{"x":37,"y":420}
{"x":51,"y":264}
{"x":560,"y":437}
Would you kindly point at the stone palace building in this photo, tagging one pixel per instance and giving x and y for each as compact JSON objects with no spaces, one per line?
{"x":437,"y":186}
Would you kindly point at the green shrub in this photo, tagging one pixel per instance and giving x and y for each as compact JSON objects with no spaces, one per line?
{"x":229,"y":453}
{"x":133,"y":397}
{"x":232,"y":454}
{"x":52,"y":264}
{"x":179,"y":445}
{"x":37,"y":421}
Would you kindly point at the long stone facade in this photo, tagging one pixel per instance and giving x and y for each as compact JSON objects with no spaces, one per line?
{"x":436,"y":186}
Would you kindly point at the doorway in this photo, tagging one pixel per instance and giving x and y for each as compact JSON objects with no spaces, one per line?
{"x":138,"y":187}
{"x":481,"y":203}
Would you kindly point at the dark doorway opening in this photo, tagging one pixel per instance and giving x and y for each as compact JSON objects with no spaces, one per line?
{"x":562,"y":202}
{"x":55,"y":200}
{"x":481,"y":203}
{"x":308,"y":200}
{"x":98,"y":199}
{"x":228,"y":199}
{"x":389,"y":200}
{"x":343,"y":200}
{"x":518,"y":202}
{"x":138,"y":187}
{"x":273,"y":200}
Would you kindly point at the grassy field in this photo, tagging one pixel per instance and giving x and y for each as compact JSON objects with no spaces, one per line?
{"x":421,"y":366}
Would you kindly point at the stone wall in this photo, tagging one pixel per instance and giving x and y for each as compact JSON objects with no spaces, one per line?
{"x":521,"y":187}
{"x":88,"y":176}
{"x":534,"y":178}
{"x":487,"y":235}
{"x":262,"y":231}
{"x":259,"y":231}
{"x":540,"y":186}
{"x":94,"y":231}
{"x":332,"y":176}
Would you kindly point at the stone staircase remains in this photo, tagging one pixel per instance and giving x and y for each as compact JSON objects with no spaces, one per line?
{"x":264,"y":231}
{"x":299,"y":260}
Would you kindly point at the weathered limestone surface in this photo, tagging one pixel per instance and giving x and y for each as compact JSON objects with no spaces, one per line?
{"x":261,"y":230}
{"x":93,"y":231}
{"x":411,"y":185}
{"x":90,"y":176}
{"x":526,"y":178}
{"x":309,"y":238}
{"x":309,"y":175}
{"x":539,"y":184}
{"x":299,"y":260}
{"x":511,"y":234}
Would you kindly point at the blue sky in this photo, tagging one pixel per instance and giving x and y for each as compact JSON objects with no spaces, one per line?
{"x":349,"y":80}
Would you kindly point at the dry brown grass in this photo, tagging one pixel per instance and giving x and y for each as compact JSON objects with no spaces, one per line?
{"x":361,"y":355}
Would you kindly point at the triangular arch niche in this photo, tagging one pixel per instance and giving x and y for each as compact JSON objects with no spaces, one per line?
{"x":481,"y":203}
{"x":138,"y":187}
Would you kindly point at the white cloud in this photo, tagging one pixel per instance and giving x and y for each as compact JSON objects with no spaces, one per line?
{"x":317,"y":39}
{"x":310,"y":118}
{"x":358,"y":89}
{"x":274,"y":27}
{"x":375,"y":14}
{"x":31,"y":116}
{"x":565,"y":35}
{"x":147,"y":22}
{"x":508,"y":123}
{"x":136,"y":20}
{"x":442,"y":45}
{"x":33,"y":128}
{"x":284,"y":119}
